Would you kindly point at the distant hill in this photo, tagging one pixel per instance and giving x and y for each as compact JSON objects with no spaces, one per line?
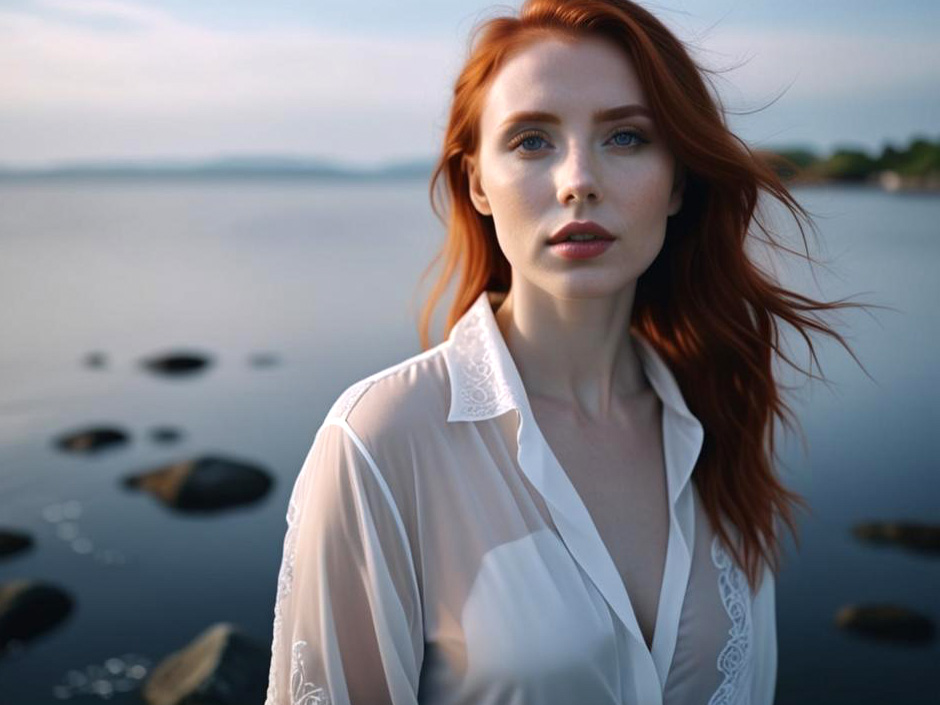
{"x":223,"y":167}
{"x":914,"y":167}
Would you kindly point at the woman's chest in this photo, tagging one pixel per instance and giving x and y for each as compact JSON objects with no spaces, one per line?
{"x":524,"y":618}
{"x":618,"y":471}
{"x":512,"y":605}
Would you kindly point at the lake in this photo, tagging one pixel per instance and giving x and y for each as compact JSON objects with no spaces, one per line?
{"x":322,"y":278}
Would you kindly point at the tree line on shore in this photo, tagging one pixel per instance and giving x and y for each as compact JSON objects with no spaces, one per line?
{"x":915,"y":166}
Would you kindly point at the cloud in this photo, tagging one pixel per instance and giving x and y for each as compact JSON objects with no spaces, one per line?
{"x":153,"y":69}
{"x":133,"y":14}
{"x":812,"y":64}
{"x":167,"y":65}
{"x":107,"y":78}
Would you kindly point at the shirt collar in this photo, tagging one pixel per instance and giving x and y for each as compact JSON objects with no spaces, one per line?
{"x":485,"y":382}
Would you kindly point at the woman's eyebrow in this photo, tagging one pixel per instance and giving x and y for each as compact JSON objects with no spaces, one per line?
{"x":622,"y":111}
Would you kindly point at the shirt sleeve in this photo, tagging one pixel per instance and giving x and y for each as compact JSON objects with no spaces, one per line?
{"x":764,"y":614}
{"x":348,"y":627}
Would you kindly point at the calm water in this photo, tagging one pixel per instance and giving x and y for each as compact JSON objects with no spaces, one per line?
{"x":323,"y":276}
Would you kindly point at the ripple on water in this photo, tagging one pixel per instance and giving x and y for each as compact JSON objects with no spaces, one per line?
{"x":64,"y":516}
{"x":118,"y":674}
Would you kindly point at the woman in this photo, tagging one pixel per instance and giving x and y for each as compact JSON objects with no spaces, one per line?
{"x":614,"y":539}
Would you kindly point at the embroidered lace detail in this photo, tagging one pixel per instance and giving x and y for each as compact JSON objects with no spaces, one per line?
{"x":285,"y":580}
{"x":483,"y":391}
{"x":347,"y":400}
{"x":302,"y":691}
{"x":736,"y":654}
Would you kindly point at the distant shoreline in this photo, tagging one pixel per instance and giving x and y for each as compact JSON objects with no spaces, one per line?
{"x":884,"y":181}
{"x":225,"y":169}
{"x":130,"y":176}
{"x":887,"y":182}
{"x":912,"y":169}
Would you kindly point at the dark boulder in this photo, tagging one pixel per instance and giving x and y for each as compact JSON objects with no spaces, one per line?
{"x":208,"y":483}
{"x":177,"y":364}
{"x":28,"y":609}
{"x":13,"y":542}
{"x":92,"y":440}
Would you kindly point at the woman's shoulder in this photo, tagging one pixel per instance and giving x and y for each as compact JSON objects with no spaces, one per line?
{"x":396,"y":417}
{"x":396,"y":402}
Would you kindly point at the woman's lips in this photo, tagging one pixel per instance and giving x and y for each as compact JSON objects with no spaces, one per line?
{"x":580,"y":226}
{"x":586,"y":249}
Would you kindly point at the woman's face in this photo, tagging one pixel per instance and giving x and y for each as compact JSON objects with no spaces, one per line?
{"x":535,"y":174}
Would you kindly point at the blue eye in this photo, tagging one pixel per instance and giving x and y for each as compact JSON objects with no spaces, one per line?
{"x":627,"y":133}
{"x":530,"y":138}
{"x":536,"y":138}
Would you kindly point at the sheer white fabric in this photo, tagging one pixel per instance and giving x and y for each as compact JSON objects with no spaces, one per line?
{"x":437,"y":553}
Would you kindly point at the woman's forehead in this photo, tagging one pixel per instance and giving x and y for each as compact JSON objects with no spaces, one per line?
{"x":583,"y":75}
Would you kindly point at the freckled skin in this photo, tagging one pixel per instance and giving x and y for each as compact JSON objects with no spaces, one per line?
{"x":530,"y":193}
{"x":565,"y":321}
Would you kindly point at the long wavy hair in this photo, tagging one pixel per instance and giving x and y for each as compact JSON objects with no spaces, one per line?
{"x":707,"y":308}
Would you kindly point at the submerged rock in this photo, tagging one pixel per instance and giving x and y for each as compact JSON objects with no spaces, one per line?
{"x":29,"y":608}
{"x":222,"y":666}
{"x":92,"y":440}
{"x":914,"y":536}
{"x":165,"y":434}
{"x":96,"y":359}
{"x":886,"y":622}
{"x":13,"y":542}
{"x":204,"y":484}
{"x":263,"y":360}
{"x":176,"y":364}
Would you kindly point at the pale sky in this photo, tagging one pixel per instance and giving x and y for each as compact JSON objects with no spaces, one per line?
{"x":369,"y":82}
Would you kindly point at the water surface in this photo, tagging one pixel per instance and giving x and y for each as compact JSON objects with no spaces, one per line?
{"x":323,"y":276}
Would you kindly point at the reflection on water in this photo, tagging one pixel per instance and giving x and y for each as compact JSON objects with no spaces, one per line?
{"x":117,"y":293}
{"x":117,"y":674}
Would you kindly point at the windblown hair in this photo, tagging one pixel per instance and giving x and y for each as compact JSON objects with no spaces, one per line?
{"x":708,"y":309}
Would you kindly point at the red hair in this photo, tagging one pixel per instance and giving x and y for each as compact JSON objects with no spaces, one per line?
{"x":710,"y":311}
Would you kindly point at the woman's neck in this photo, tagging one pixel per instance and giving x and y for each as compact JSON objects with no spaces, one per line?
{"x":577,"y":352}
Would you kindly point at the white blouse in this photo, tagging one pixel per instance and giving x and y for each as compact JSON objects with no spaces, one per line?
{"x":436,"y":552}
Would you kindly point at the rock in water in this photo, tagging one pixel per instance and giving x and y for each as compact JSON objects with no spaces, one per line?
{"x":96,"y":359}
{"x":12,"y":542}
{"x":165,"y":434}
{"x":886,"y":622}
{"x":92,"y":440}
{"x":204,"y":484}
{"x":924,"y":538}
{"x":29,"y":608}
{"x":221,"y":666}
{"x":263,"y":359}
{"x":175,"y":364}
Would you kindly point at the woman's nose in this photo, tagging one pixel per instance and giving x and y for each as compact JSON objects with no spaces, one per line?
{"x":576,"y":178}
